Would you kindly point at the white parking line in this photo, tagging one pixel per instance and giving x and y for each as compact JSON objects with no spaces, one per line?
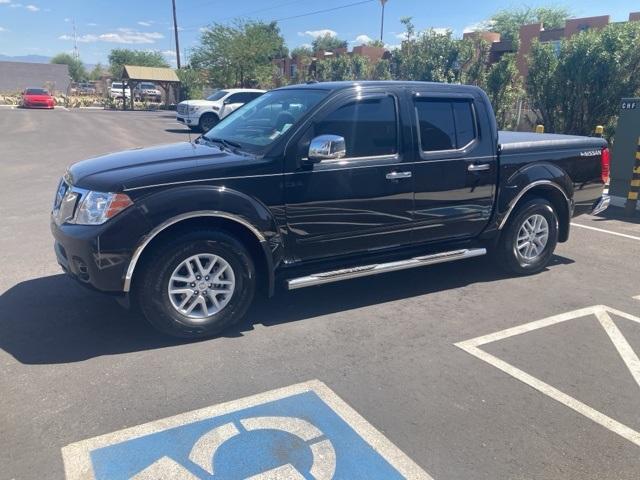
{"x":622,"y":346}
{"x":605,"y":231}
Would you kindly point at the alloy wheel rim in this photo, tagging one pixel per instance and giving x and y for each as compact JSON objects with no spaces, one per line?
{"x":201,"y":286}
{"x":532,"y":238}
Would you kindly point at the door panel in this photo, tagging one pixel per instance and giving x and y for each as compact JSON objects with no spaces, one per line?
{"x":349,"y":205}
{"x":455,"y":170}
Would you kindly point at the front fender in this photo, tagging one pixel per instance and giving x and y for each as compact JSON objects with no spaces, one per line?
{"x":169,"y":207}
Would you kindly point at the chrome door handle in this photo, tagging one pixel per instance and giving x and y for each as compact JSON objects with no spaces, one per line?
{"x":479,"y":167}
{"x":398,"y":175}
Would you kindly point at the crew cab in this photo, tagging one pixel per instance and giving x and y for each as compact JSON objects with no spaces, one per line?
{"x":318,"y":183}
{"x":147,"y":91}
{"x":203,"y":115}
{"x":119,"y":91}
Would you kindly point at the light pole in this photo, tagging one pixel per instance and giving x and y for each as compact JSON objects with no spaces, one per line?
{"x":175,"y":29}
{"x":382,"y":2}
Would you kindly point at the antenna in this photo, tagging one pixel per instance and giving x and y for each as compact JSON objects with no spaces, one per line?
{"x":76,"y":52}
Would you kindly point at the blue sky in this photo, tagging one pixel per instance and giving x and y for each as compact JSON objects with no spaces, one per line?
{"x":45,"y":27}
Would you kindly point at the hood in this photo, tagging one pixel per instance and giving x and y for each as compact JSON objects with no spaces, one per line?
{"x":38,"y":98}
{"x":162,"y":164}
{"x":200,"y":103}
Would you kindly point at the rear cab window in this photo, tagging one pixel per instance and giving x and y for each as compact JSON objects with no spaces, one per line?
{"x":445,"y":124}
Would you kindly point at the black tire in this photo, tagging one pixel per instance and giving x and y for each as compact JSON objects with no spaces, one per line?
{"x":507,"y":252}
{"x":152,"y":287}
{"x":194,"y":129}
{"x":208,"y":121}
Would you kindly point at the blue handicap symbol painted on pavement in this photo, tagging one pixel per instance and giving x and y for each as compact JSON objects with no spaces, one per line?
{"x":300,"y":432}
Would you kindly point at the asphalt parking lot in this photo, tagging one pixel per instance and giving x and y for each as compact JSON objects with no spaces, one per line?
{"x":425,"y":355}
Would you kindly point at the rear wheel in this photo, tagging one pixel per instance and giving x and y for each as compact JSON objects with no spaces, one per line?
{"x":208,"y":121}
{"x":530,"y":238}
{"x":197,"y":284}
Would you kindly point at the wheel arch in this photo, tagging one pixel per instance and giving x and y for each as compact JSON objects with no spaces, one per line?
{"x":170,"y":210}
{"x":245,"y":232}
{"x":554,"y":194}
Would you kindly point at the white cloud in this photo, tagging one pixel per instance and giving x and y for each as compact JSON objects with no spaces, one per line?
{"x":318,"y":33}
{"x":146,"y":23}
{"x":122,"y":35}
{"x":32,"y":8}
{"x":67,"y":20}
{"x":401,"y":36}
{"x":2,"y":29}
{"x":92,"y":24}
{"x":478,"y":26}
{"x":81,"y":38}
{"x":362,"y":39}
{"x":5,"y":1}
{"x":169,"y":53}
{"x":15,"y":5}
{"x":441,"y":30}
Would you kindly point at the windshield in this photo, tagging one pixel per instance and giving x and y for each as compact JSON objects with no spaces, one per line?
{"x":217,"y":95}
{"x":36,"y":91}
{"x":116,"y":85}
{"x":261,"y":122}
{"x":148,"y":86}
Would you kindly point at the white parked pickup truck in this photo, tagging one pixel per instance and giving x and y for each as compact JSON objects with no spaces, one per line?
{"x":203,"y":115}
{"x":116,"y":90}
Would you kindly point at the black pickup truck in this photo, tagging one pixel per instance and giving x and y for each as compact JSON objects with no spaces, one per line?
{"x":317,"y":183}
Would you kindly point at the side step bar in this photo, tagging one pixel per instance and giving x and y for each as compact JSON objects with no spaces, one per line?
{"x":365,"y":270}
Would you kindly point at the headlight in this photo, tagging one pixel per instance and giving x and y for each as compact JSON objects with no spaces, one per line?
{"x":193,"y":109}
{"x":98,"y":207}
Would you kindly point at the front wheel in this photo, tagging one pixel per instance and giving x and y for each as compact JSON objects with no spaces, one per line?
{"x":197,"y":284}
{"x":530,"y":238}
{"x":208,"y":121}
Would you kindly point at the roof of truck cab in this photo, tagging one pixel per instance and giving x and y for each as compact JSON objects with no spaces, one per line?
{"x":379,"y":83}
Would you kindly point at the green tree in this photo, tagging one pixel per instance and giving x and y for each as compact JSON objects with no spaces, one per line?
{"x":303,"y":57}
{"x":504,"y":88}
{"x":381,"y":70}
{"x":192,"y":83}
{"x":578,"y":87}
{"x":508,"y":22}
{"x":240,"y":54}
{"x":327,"y":42}
{"x":431,"y":56}
{"x":119,"y":57}
{"x":360,"y":67}
{"x":97,"y":72}
{"x":76,"y":68}
{"x":375,"y":43}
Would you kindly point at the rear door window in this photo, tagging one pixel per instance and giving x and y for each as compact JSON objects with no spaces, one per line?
{"x":445,"y":124}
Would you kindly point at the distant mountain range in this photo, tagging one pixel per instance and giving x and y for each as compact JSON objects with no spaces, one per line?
{"x":25,"y":58}
{"x":35,"y":59}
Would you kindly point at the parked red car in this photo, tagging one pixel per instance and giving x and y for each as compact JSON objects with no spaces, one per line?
{"x":37,"y":98}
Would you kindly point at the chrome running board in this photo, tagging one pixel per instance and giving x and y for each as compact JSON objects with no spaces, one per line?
{"x":374,"y":269}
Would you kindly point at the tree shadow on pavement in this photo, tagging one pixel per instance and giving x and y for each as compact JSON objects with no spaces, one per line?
{"x":52,"y":319}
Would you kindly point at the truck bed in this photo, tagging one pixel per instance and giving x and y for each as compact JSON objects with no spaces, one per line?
{"x":513,"y":142}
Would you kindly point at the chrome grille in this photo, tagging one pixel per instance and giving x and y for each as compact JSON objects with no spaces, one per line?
{"x":66,"y":201}
{"x":183,"y":109}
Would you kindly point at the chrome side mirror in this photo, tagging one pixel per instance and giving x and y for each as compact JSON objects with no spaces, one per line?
{"x":327,"y":147}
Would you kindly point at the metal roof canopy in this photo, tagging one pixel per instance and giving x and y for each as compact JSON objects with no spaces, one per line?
{"x":165,"y":77}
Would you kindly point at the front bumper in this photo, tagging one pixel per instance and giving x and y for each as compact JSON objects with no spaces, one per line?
{"x":77,"y":249}
{"x":186,"y":120}
{"x":98,"y":255}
